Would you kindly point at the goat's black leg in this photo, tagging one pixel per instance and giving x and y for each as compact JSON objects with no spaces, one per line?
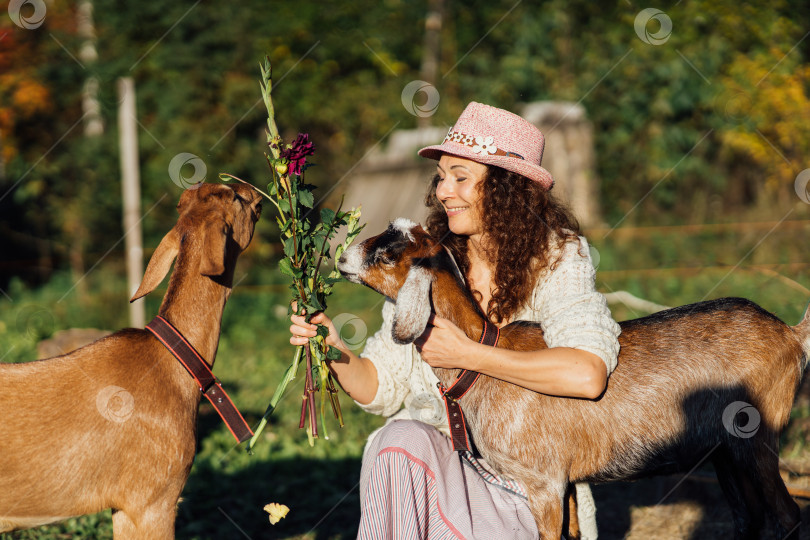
{"x":780,"y":505}
{"x":741,"y":493}
{"x":570,"y":525}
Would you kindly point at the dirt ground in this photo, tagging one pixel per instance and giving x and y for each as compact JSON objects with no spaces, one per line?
{"x":691,"y":509}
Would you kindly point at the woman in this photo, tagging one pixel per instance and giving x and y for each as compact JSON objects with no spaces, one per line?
{"x":523,"y":259}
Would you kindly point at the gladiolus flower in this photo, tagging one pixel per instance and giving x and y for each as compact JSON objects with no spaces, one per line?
{"x":297,"y":153}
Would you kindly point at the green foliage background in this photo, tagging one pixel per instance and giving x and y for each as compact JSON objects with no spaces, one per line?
{"x":341,"y":68}
{"x":709,"y":127}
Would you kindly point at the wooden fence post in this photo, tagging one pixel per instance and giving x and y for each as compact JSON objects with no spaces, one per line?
{"x":131,"y":191}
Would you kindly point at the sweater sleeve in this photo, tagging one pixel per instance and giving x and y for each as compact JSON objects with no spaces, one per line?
{"x":572,"y":312}
{"x":393,"y":363}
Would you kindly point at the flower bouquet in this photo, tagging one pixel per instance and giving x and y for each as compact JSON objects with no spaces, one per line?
{"x":306,"y":246}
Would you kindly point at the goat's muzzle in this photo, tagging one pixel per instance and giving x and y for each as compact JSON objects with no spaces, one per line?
{"x":350,"y":263}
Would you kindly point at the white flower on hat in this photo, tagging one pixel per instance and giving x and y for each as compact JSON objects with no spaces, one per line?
{"x":485,"y":145}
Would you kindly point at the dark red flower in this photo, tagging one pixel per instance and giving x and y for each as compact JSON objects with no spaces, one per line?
{"x":297,"y":154}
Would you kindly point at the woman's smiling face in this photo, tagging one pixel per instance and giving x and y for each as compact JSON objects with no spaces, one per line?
{"x":457,"y":190}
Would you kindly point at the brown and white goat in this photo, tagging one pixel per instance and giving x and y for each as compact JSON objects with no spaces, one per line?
{"x":683,"y":375}
{"x":113,"y":424}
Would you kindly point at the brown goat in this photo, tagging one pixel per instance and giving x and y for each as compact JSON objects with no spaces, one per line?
{"x":113,"y":424}
{"x":683,"y":376}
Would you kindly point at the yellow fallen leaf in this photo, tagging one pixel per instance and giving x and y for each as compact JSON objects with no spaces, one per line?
{"x":276,"y":511}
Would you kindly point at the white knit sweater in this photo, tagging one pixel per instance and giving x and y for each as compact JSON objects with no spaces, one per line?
{"x":566,"y":304}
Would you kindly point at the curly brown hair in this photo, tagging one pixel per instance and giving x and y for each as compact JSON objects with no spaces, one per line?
{"x":519,"y":235}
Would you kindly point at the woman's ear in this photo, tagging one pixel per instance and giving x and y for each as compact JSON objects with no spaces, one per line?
{"x":412,"y":309}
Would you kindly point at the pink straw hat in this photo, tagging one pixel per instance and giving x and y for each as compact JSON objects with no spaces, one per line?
{"x":497,"y":137}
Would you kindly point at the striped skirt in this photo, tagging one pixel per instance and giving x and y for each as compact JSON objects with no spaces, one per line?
{"x":413,"y":485}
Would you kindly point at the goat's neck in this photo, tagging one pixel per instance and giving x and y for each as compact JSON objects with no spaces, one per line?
{"x":194,"y":305}
{"x":453,"y":302}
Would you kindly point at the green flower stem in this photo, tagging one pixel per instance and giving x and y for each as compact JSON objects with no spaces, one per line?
{"x":310,"y":391}
{"x":322,"y":371}
{"x":289,"y":376}
{"x":310,"y":436}
{"x":309,"y":401}
{"x":296,"y":263}
{"x":267,"y":88}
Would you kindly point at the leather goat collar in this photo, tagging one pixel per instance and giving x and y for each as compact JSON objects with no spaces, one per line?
{"x":211,"y":388}
{"x":465,"y":380}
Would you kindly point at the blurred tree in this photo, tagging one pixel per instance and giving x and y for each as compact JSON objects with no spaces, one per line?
{"x":767,"y":147}
{"x":684,"y":125}
{"x":23,"y":95}
{"x":31,"y":122}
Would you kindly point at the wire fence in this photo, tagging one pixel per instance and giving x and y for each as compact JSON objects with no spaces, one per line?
{"x":635,"y":234}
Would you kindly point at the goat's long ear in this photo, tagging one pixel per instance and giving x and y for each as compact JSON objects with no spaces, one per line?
{"x":412,"y":309}
{"x":215,"y":239}
{"x":159,"y":264}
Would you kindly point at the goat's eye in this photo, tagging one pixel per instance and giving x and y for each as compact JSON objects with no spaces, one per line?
{"x":385,"y":259}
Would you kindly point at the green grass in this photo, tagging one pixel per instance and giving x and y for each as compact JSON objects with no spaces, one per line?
{"x":227,"y":488}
